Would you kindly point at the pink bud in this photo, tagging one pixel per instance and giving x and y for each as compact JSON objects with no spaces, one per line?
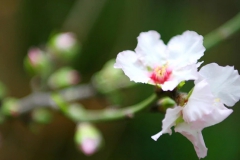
{"x":35,"y":55}
{"x":65,"y":41}
{"x":89,"y":146}
{"x":88,"y":138}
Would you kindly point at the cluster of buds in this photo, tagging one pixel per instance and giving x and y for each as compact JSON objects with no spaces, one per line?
{"x":49,"y":63}
{"x":167,"y":67}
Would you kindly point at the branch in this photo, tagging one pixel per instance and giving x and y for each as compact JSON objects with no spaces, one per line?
{"x":223,"y":32}
{"x":44,"y":99}
{"x":113,"y":114}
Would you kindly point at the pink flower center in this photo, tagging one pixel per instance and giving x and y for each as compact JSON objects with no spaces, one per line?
{"x":160,"y":74}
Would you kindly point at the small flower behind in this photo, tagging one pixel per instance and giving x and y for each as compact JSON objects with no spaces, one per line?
{"x":166,"y":66}
{"x":205,"y":106}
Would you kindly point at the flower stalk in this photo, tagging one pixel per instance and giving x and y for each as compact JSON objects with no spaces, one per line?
{"x":223,"y":32}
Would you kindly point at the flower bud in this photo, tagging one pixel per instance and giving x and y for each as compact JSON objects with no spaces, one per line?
{"x":63,"y":77}
{"x":41,"y":115}
{"x":165,"y":103}
{"x":88,"y":138}
{"x":36,"y":61}
{"x":110,"y":79}
{"x":64,"y":46}
{"x":10,"y":106}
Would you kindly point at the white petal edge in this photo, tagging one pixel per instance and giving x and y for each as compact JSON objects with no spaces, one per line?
{"x":224,"y":82}
{"x":219,"y":113}
{"x":151,"y":49}
{"x":187,"y":48}
{"x":171,"y":116}
{"x":194,"y":136}
{"x":200,"y":103}
{"x":129,"y":62}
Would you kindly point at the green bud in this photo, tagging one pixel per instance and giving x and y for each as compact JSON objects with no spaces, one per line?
{"x":36,"y":61}
{"x":10,"y":106}
{"x":64,"y":46}
{"x":110,"y":79}
{"x":41,"y":115}
{"x":88,"y":138}
{"x":165,"y":103}
{"x":63,"y":77}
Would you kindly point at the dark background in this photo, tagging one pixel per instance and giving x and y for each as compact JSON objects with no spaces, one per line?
{"x":106,"y":27}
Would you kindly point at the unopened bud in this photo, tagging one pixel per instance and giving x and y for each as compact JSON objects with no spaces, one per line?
{"x":36,"y":61}
{"x":41,"y":115}
{"x":64,"y":46}
{"x":110,"y":79}
{"x":167,"y":102}
{"x":88,"y":138}
{"x":10,"y":107}
{"x":163,"y":104}
{"x":63,"y":77}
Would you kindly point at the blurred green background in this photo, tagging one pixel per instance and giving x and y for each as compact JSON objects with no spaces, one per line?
{"x":104,"y":28}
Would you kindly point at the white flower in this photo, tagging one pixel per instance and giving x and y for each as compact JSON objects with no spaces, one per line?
{"x":224,"y":82}
{"x":205,"y":107}
{"x":155,"y":63}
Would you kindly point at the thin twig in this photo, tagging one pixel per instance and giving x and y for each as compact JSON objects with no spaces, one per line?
{"x":43,"y":99}
{"x":223,"y":32}
{"x":113,"y":114}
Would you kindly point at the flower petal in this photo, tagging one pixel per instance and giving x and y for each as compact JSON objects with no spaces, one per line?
{"x":180,"y":74}
{"x":219,"y":113}
{"x":128,"y":61}
{"x":195,"y":136}
{"x":224,"y":82}
{"x":200,"y":103}
{"x":151,"y":49}
{"x":171,"y":116}
{"x":186,"y":49}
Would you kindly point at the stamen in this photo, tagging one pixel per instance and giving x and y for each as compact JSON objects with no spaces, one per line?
{"x":160,"y":74}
